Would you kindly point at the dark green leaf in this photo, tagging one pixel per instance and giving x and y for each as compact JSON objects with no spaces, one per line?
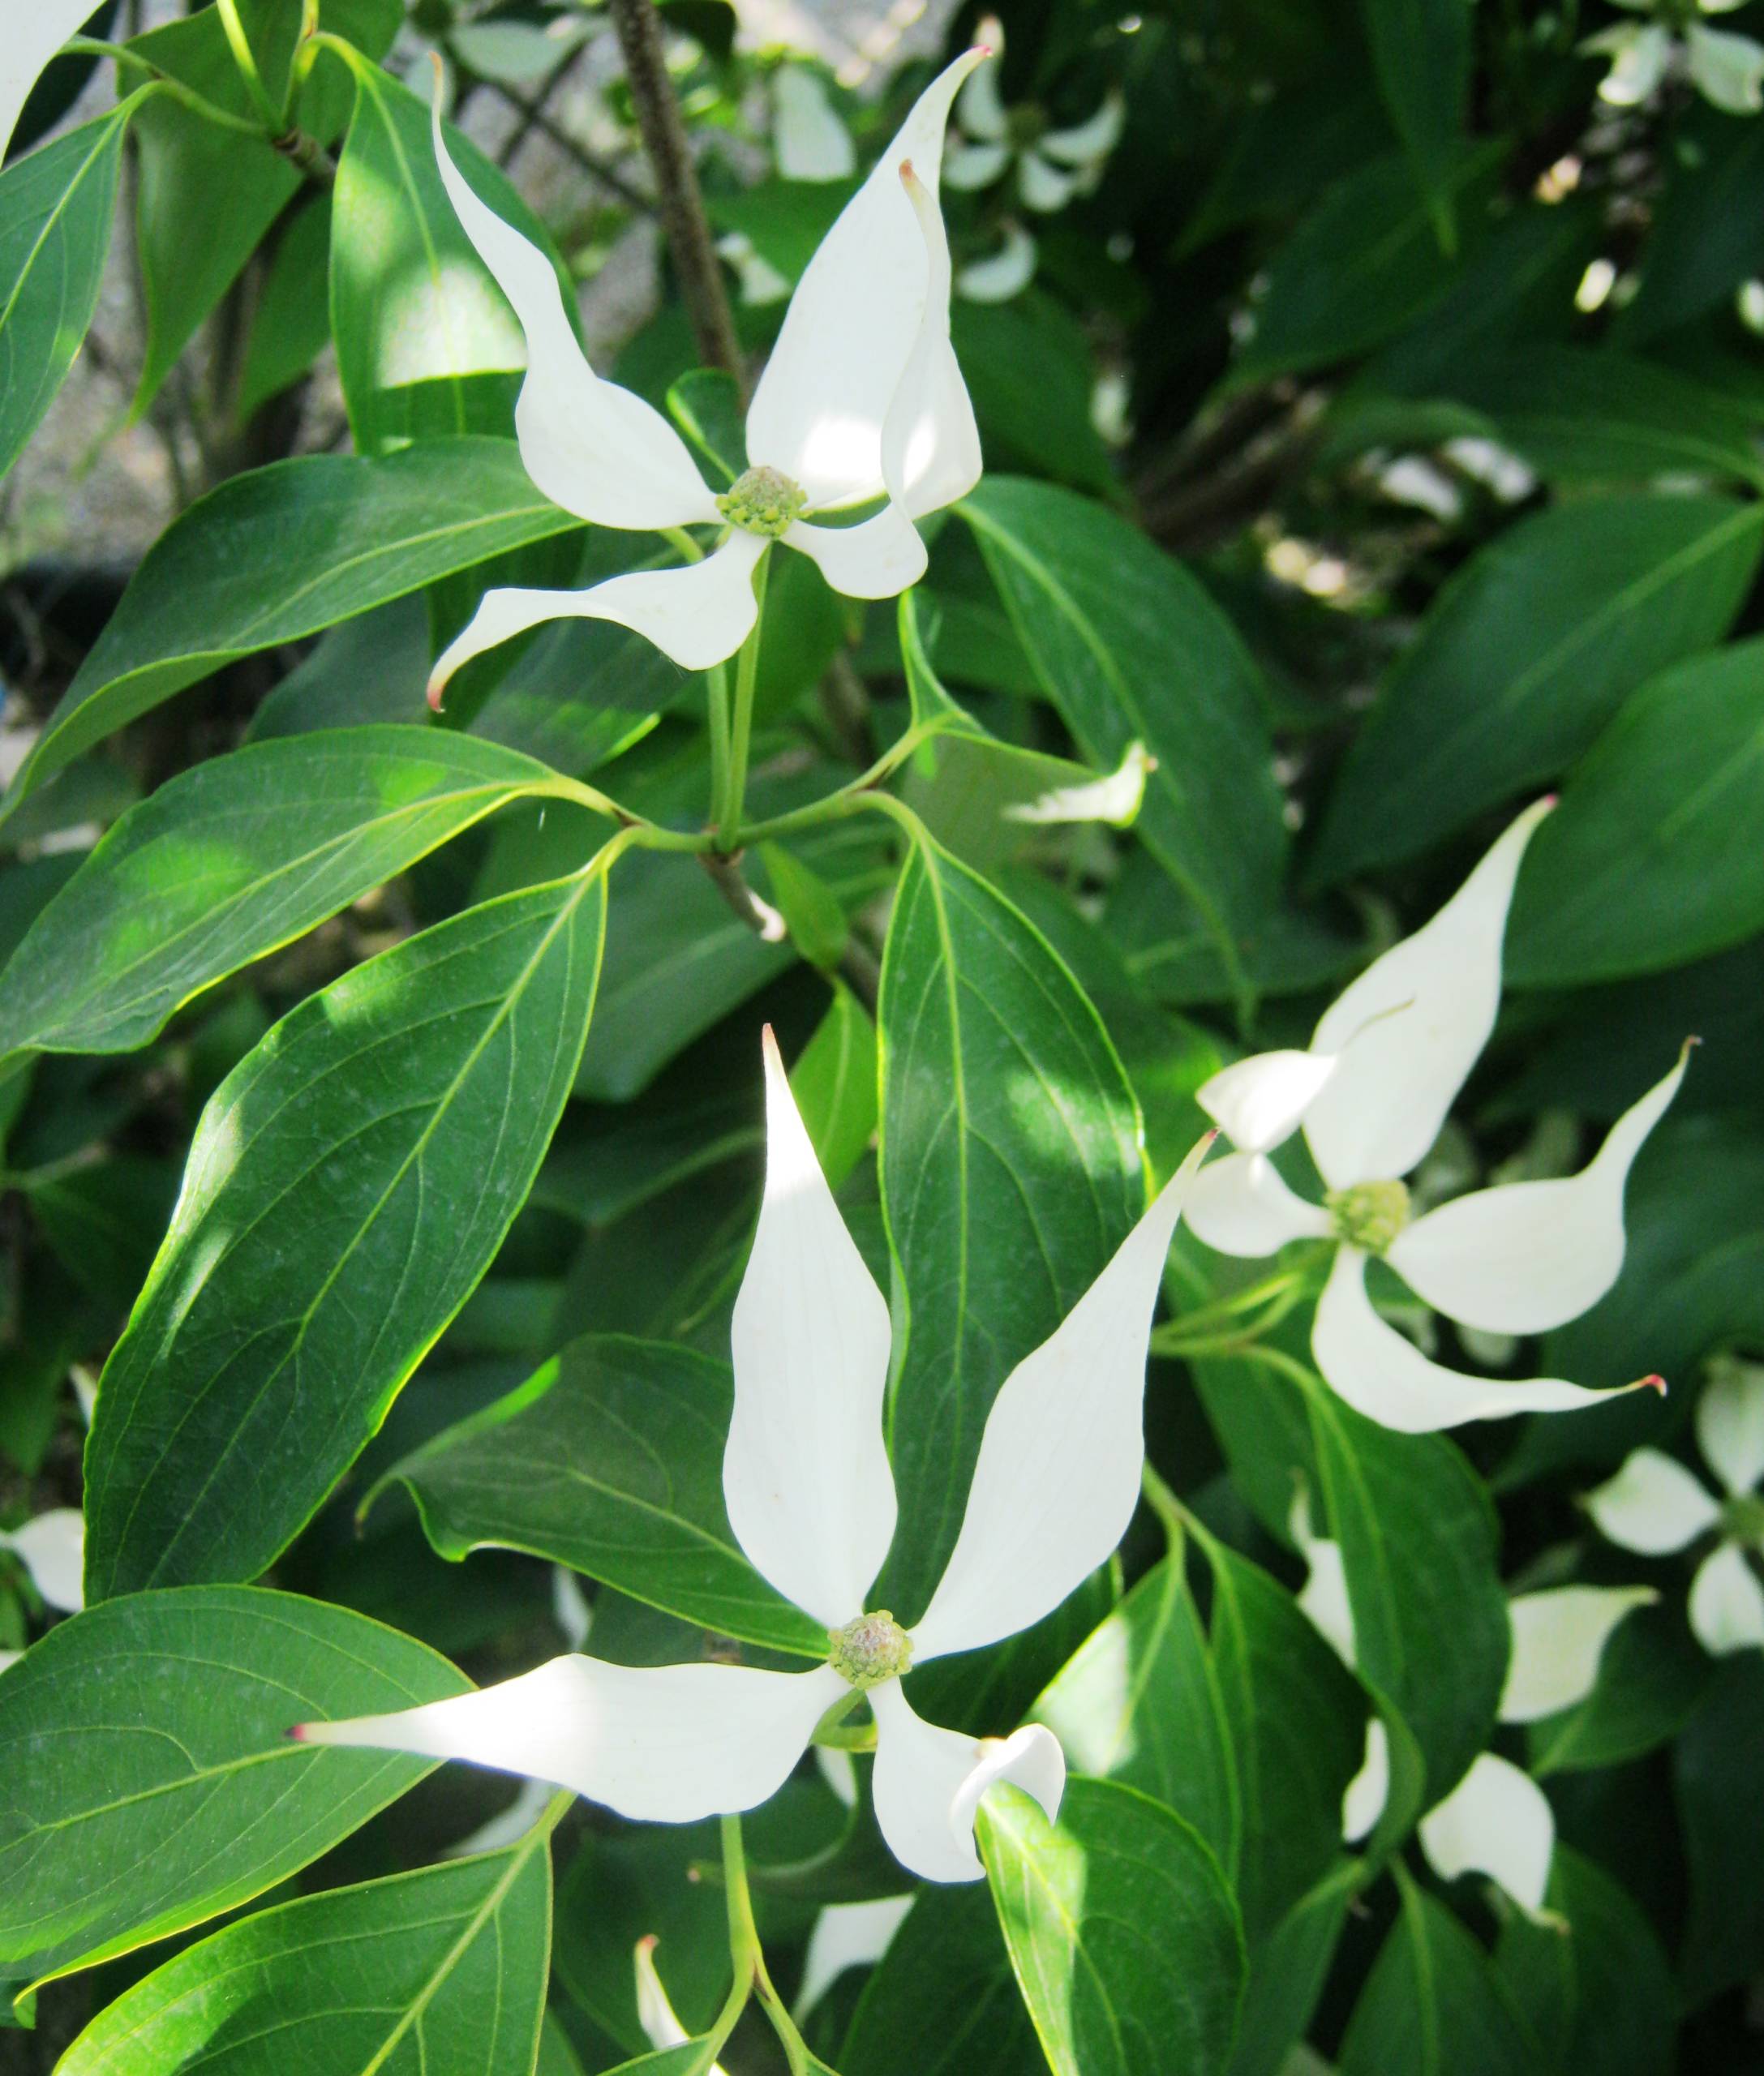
{"x":1528,"y":653}
{"x":834,"y":1084}
{"x":56,"y":206}
{"x":943,"y":2001}
{"x":1130,"y":649}
{"x":231,"y":860}
{"x":278,"y":555}
{"x":1010,"y":1174}
{"x":438,"y":1973}
{"x":1027,"y":364}
{"x":1122,"y":1933}
{"x":1421,"y":50}
{"x":1706,"y":240}
{"x":1419,"y":1546}
{"x":1139,"y":1702}
{"x":147,"y":1739}
{"x":1288,"y":1967}
{"x":610,"y":1460}
{"x":1434,"y":2006}
{"x":1652,"y":858}
{"x":1652,"y":1674}
{"x":393,"y":1124}
{"x":291,"y":324}
{"x":1718,"y":1772}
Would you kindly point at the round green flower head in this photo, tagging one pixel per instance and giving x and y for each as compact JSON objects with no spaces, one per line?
{"x":1369,"y":1216}
{"x":764,"y":501}
{"x":869,"y":1651}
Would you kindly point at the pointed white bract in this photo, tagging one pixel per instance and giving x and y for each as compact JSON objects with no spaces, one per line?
{"x":1370,"y":1094}
{"x":51,"y":1548}
{"x":847,"y":1936}
{"x":1496,"y":1821}
{"x":1559,"y":1637}
{"x":1726,"y":68}
{"x":1654,"y":1505}
{"x":811,"y":1500}
{"x":861,"y":400}
{"x":34,"y":31}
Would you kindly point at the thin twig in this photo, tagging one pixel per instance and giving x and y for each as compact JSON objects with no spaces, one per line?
{"x":676,"y":180}
{"x":534,"y":116}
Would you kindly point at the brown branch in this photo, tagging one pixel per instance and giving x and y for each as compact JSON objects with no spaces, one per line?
{"x":676,"y":180}
{"x":535,"y":116}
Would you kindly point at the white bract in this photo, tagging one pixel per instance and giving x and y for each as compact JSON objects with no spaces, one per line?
{"x":1726,"y":68}
{"x":34,"y":31}
{"x":1372,"y":1093}
{"x":809,"y":142}
{"x":862,"y":399}
{"x":811,"y":1499}
{"x":52,"y":1548}
{"x":1655,"y":1505}
{"x":1497,"y":1820}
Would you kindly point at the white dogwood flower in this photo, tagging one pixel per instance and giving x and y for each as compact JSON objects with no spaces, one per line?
{"x":1655,"y":1505}
{"x":811,"y":1499}
{"x":861,"y":399}
{"x":1051,"y":165}
{"x":1372,"y":1093}
{"x":34,"y":30}
{"x":1726,"y":68}
{"x":1497,"y":1820}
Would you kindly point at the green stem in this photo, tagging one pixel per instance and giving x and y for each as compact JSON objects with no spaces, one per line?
{"x":1165,"y":1505}
{"x":749,"y":1958}
{"x":734,"y":796}
{"x":240,"y":46}
{"x":717,"y":702}
{"x":94,"y":46}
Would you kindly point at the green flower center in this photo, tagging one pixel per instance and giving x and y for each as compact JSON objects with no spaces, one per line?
{"x":1369,"y":1216}
{"x":869,"y":1651}
{"x":1742,"y":1519}
{"x":764,"y":501}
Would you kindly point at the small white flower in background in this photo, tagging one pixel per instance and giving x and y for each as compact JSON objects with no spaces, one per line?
{"x":758,"y":281}
{"x":1726,"y":68}
{"x":811,"y":1500}
{"x":1051,"y":165}
{"x":809,"y":142}
{"x":1497,"y":1820}
{"x":1655,"y":1505}
{"x":1372,"y":1093}
{"x":861,"y":399}
{"x":34,"y":30}
{"x":52,"y":1548}
{"x":847,"y":1936}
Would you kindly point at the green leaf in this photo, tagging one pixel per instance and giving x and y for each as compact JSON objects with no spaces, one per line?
{"x":1122,"y":1933}
{"x":1419,"y":1545}
{"x":56,"y":206}
{"x":706,"y":405}
{"x":1139,"y":1702}
{"x":834,"y":1084}
{"x":1295,"y":1721}
{"x":1706,"y":240}
{"x":942,"y":2001}
{"x":1651,"y":1676}
{"x":811,"y":910}
{"x":1601,"y":1997}
{"x":233,"y":858}
{"x":1433,"y":2006}
{"x":394,"y":1123}
{"x":610,"y":1460}
{"x":1288,"y":1968}
{"x":1028,"y":366}
{"x":1526,"y":656}
{"x":1010,"y":1173}
{"x":414,"y":313}
{"x":1421,"y":52}
{"x":1366,"y":261}
{"x":441,"y":1972}
{"x":291,"y":325}
{"x":1717,"y":1768}
{"x":1585,"y":416}
{"x":1129,"y":649}
{"x":275,"y":555}
{"x":147,"y":1739}
{"x":1652,"y":858}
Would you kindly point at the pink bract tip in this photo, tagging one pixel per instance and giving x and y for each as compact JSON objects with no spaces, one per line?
{"x":437,"y":690}
{"x":1552,"y":799}
{"x":982,"y":50}
{"x":1654,"y":1383}
{"x":297,"y":1732}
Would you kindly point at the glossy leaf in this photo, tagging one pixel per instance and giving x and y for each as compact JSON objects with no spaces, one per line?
{"x":1010,"y":1175}
{"x":150,"y":1780}
{"x":1129,"y":649}
{"x":1140,"y":1702}
{"x":834,"y":1083}
{"x":610,"y":1460}
{"x":1652,"y":1674}
{"x":233,"y":858}
{"x":278,"y":555}
{"x":1288,"y":1966}
{"x":1434,"y":2006}
{"x":1418,"y":1538}
{"x":1651,"y":859}
{"x":395,"y":1123}
{"x":438,"y":1973}
{"x":56,"y":207}
{"x":1527,"y":654}
{"x":417,"y":319}
{"x":943,"y":2001}
{"x":1122,"y":1931}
